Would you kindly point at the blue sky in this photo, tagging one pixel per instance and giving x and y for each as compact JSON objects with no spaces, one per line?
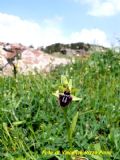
{"x":43,"y":22}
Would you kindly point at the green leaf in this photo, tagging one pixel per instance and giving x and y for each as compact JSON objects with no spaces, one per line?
{"x":97,"y":147}
{"x":74,"y":98}
{"x":60,"y":158}
{"x":70,"y":84}
{"x":56,"y":93}
{"x":6,"y":128}
{"x":74,"y":90}
{"x":96,"y":157}
{"x":61,"y":89}
{"x":64,"y":80}
{"x":73,"y":125}
{"x":18,"y":123}
{"x":17,"y":105}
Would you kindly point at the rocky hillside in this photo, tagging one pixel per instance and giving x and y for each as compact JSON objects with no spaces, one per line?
{"x":16,"y":58}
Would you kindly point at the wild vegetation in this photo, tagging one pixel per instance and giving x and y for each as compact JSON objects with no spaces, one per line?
{"x":59,"y":47}
{"x":31,"y":120}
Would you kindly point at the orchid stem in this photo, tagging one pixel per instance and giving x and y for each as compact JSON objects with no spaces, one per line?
{"x":68,"y":157}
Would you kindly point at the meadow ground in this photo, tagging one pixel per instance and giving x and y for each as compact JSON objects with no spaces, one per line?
{"x":31,"y":120}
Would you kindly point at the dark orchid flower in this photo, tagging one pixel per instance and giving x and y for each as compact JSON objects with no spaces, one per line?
{"x":64,"y":92}
{"x":65,"y":99}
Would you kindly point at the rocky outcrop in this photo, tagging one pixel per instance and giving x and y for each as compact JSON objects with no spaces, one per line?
{"x":16,"y":58}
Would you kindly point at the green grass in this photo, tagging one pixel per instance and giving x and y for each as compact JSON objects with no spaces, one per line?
{"x":32,"y":121}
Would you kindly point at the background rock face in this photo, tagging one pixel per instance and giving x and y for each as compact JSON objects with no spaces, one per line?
{"x":26,"y":59}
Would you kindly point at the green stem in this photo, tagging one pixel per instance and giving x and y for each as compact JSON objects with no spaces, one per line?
{"x":68,"y":157}
{"x":66,"y":119}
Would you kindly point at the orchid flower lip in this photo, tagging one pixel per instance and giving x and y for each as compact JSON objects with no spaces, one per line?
{"x":64,"y":99}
